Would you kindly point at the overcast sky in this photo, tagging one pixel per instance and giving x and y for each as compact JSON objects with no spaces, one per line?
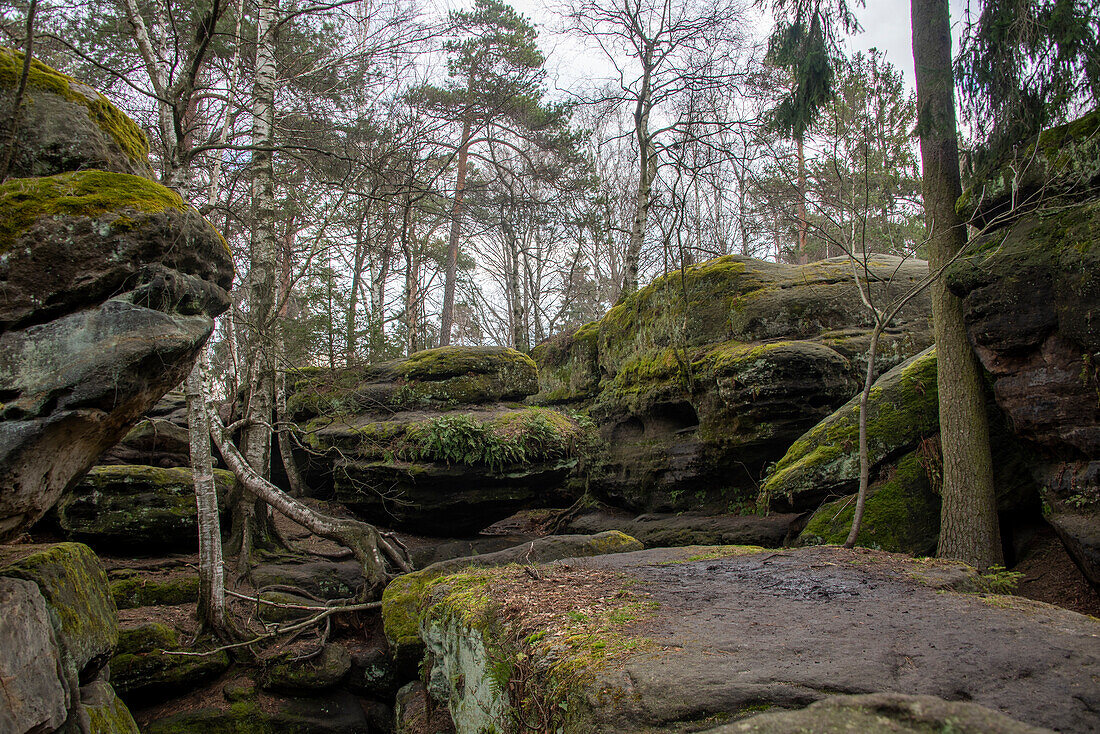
{"x":885,"y":26}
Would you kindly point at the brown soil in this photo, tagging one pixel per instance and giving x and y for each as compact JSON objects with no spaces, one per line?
{"x":1050,"y":575}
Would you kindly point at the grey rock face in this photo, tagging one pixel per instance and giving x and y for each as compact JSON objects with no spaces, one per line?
{"x":109,"y":284}
{"x":35,"y":696}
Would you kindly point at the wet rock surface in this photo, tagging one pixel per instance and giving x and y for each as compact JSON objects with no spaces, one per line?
{"x":733,"y":630}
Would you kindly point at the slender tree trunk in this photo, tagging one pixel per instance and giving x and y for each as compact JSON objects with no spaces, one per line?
{"x":362,"y":539}
{"x":968,"y":521}
{"x":642,"y":198}
{"x":412,"y":278}
{"x":452,"y":247}
{"x":252,"y":520}
{"x":211,"y":611}
{"x":353,"y":297}
{"x":803,"y":256}
{"x":286,"y":441}
{"x":864,"y":457}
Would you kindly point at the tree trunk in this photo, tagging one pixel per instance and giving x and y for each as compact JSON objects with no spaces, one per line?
{"x":362,"y":539}
{"x":864,"y":457}
{"x":353,"y":298}
{"x":803,"y":256}
{"x":252,"y":520}
{"x":968,"y":520}
{"x":642,"y":197}
{"x":211,"y":611}
{"x":452,"y":247}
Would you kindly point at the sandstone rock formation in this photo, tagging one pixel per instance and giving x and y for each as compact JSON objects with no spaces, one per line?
{"x":435,"y":443}
{"x":143,"y":509}
{"x":697,"y":383}
{"x":110,"y":285}
{"x":820,"y":471}
{"x":1032,"y":306}
{"x":58,"y":628}
{"x":676,"y":639}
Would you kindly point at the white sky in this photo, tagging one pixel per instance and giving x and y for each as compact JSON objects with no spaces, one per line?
{"x":885,"y":26}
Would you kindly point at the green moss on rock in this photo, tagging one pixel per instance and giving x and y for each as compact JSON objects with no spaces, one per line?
{"x":78,"y":601}
{"x":444,"y":377}
{"x":129,"y":137}
{"x":133,"y":590}
{"x":403,"y":598}
{"x":140,"y":668}
{"x":902,"y":514}
{"x":1055,"y":162}
{"x":902,"y":409}
{"x":145,"y":508}
{"x":326,"y":670}
{"x":92,"y":194}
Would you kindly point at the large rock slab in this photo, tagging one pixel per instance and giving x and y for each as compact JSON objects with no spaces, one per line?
{"x":78,"y":599}
{"x":145,"y":509}
{"x":698,"y":382}
{"x":402,"y":599}
{"x":144,"y":669}
{"x":885,"y":713}
{"x":668,"y":639}
{"x":427,"y":445}
{"x":655,"y":530}
{"x":110,"y":286}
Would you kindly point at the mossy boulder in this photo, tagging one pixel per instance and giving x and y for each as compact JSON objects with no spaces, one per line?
{"x":902,"y":410}
{"x":902,"y":418}
{"x":142,"y":669}
{"x":902,"y":513}
{"x":78,"y":601}
{"x":451,"y":473}
{"x":403,"y":598}
{"x":131,"y":589}
{"x":1059,"y":163}
{"x":37,"y":695}
{"x":701,"y":379}
{"x":111,"y":284}
{"x":140,"y":508}
{"x":289,"y":674}
{"x":75,"y":239}
{"x":64,"y":125}
{"x":435,"y":378}
{"x":106,"y":712}
{"x":728,"y":299}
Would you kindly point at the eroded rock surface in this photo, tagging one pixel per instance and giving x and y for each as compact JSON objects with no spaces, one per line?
{"x":58,"y":627}
{"x":110,"y":283}
{"x":669,"y":639}
{"x":698,"y":383}
{"x":435,"y":443}
{"x":1031,"y":297}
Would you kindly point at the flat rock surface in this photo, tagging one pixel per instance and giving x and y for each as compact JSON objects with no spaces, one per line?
{"x":783,"y":629}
